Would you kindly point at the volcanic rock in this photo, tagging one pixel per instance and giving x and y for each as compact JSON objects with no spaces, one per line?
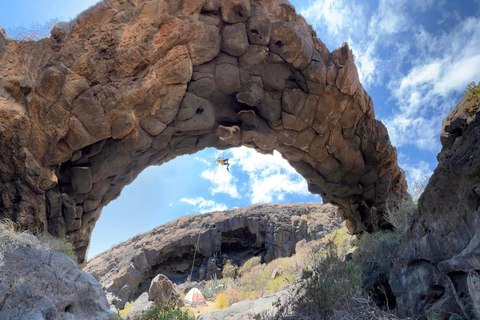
{"x":439,"y":259}
{"x":36,"y":283}
{"x":127,"y":85}
{"x":268,"y":231}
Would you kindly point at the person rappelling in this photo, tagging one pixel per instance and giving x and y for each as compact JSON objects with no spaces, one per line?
{"x":223,"y":162}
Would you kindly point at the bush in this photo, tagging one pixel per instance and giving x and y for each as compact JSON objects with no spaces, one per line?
{"x":34,"y":32}
{"x":472,"y":94}
{"x":221,"y":301}
{"x":234,"y":294}
{"x":212,"y":287}
{"x":376,"y":252}
{"x":123,"y":313}
{"x":164,"y":312}
{"x":401,"y":217}
{"x":229,"y":270}
{"x":280,"y":283}
{"x":255,"y":282}
{"x":249,"y":264}
{"x":11,"y":235}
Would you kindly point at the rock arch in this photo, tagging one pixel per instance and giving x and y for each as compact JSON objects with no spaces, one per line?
{"x":129,"y":84}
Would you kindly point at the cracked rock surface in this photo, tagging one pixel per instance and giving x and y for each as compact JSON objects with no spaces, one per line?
{"x":129,"y":84}
{"x":41,"y":284}
{"x":439,"y":258}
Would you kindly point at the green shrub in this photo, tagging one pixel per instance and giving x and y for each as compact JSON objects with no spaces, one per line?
{"x":249,"y":264}
{"x":472,"y":94}
{"x":164,"y":312}
{"x":401,"y":217}
{"x":12,"y":235}
{"x":229,"y":270}
{"x":280,"y":283}
{"x":376,"y":252}
{"x":324,"y":288}
{"x":123,"y":313}
{"x":212,"y":287}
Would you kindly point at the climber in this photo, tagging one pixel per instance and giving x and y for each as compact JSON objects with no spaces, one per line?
{"x":223,"y":162}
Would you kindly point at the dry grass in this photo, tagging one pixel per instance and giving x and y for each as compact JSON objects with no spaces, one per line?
{"x":11,"y":236}
{"x":221,"y":301}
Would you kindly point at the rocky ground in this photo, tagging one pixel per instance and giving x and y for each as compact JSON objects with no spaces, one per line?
{"x":268,"y":231}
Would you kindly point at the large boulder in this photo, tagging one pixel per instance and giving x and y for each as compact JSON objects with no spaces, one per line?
{"x":37,"y":283}
{"x":162,"y":290}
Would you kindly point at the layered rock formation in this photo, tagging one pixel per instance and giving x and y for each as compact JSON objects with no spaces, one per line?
{"x":36,"y":283}
{"x":129,"y":84}
{"x":440,"y":256}
{"x":269,"y":231}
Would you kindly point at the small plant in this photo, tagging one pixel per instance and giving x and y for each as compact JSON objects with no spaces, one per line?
{"x":164,"y":312}
{"x":472,"y":94}
{"x":229,"y":270}
{"x":249,"y":264}
{"x":221,"y":301}
{"x":123,"y":313}
{"x":34,"y":32}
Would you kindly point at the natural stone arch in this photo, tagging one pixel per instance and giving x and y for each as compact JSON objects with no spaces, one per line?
{"x":129,"y":84}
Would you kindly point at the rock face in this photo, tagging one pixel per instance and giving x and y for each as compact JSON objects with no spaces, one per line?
{"x":131,"y":84}
{"x":440,"y":256}
{"x":246,"y":310}
{"x":270,"y":231}
{"x":39,"y":284}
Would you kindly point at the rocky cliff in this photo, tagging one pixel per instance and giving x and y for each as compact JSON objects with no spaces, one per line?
{"x":440,"y":255}
{"x":129,"y":84}
{"x":269,"y":231}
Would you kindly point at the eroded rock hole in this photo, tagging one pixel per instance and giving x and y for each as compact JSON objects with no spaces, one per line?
{"x":69,"y":308}
{"x":255,"y":32}
{"x":238,"y":11}
{"x":279,"y":44}
{"x":199,"y":111}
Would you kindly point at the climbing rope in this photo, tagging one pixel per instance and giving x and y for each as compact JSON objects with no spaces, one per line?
{"x":198,"y":238}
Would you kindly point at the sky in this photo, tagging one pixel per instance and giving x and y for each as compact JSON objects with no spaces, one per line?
{"x":415,"y":59}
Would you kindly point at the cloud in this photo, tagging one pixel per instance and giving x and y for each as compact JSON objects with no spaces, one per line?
{"x":204,"y":205}
{"x":223,"y":181}
{"x":425,"y":94}
{"x":271,"y":178}
{"x":417,"y":175}
{"x":425,"y":69}
{"x":202,"y":160}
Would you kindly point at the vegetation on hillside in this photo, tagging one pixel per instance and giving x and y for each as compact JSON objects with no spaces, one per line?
{"x":11,"y":236}
{"x":472,"y":94}
{"x":331,"y":287}
{"x":162,"y":312}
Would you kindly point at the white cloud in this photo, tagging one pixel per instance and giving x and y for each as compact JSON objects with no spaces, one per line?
{"x":204,"y":205}
{"x":170,"y":204}
{"x":428,"y":90}
{"x":223,"y":181}
{"x":425,"y":70}
{"x":271,"y":177}
{"x":203,"y":161}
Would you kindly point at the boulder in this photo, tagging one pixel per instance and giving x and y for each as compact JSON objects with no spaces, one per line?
{"x":37,"y":283}
{"x":140,"y":305}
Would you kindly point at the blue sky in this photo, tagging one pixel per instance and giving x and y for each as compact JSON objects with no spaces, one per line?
{"x":415,"y":59}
